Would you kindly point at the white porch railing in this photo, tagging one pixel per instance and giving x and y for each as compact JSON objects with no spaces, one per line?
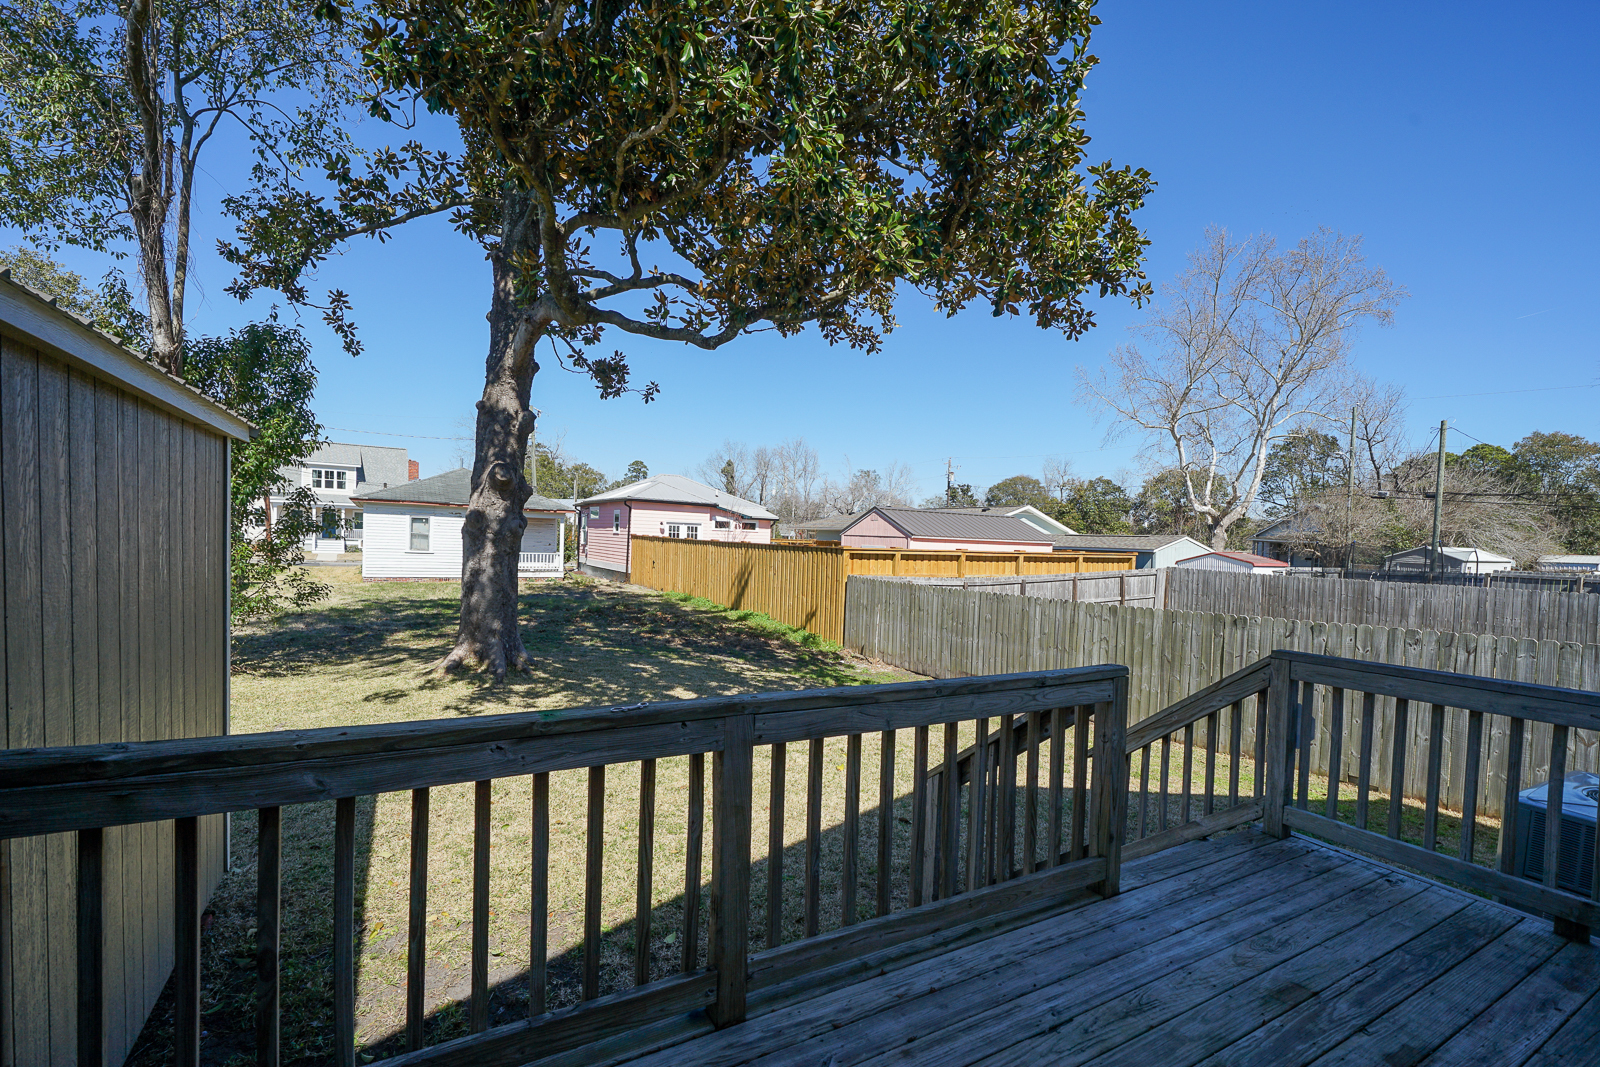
{"x":539,"y":565}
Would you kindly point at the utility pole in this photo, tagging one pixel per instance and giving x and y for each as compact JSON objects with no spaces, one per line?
{"x":1435,"y":566}
{"x":1350,"y":498}
{"x":949,"y":478}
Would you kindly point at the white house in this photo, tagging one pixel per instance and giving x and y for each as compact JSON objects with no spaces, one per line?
{"x":336,"y":474}
{"x":1238,"y":562}
{"x":1452,"y":561}
{"x":1569,"y":563}
{"x":1152,"y":551}
{"x":414,"y":530}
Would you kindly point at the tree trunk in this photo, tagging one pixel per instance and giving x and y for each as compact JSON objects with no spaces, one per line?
{"x":489,"y":637}
{"x":150,"y":186}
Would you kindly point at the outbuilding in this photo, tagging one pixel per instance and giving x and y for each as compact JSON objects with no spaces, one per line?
{"x":413,"y":530}
{"x":1238,"y":562}
{"x":944,"y":530}
{"x":1151,"y":551}
{"x":1451,"y":561}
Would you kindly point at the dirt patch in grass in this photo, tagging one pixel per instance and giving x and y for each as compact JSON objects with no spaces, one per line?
{"x":363,"y":656}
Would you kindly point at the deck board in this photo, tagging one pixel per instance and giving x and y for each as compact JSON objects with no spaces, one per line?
{"x":1241,"y":951}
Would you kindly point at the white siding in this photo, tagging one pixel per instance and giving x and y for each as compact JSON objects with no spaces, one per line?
{"x":386,"y":542}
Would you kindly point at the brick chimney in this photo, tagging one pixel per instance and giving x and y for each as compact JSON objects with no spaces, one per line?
{"x":413,"y":472}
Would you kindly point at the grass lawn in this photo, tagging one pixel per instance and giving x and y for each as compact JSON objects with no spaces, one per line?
{"x":363,"y":656}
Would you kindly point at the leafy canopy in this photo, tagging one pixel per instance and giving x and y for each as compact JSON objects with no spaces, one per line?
{"x":697,"y":169}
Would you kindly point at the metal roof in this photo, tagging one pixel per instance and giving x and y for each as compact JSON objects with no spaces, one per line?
{"x":1243,"y":557}
{"x":828,"y":522}
{"x":960,"y":525}
{"x":676,"y":489}
{"x":1120,"y":542}
{"x":452,"y":488}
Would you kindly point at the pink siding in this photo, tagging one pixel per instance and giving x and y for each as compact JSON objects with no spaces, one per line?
{"x":875,"y":531}
{"x":645,"y":518}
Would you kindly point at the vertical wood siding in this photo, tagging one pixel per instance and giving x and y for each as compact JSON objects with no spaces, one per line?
{"x":113,"y":593}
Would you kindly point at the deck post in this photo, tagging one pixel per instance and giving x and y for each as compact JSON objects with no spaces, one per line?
{"x":729,"y":934}
{"x":1109,"y":798}
{"x":1279,"y":748}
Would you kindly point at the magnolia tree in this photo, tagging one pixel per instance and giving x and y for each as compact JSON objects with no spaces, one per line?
{"x":1249,"y":343}
{"x":701,"y":170}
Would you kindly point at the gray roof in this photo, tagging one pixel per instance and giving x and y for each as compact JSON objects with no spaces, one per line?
{"x":451,"y":488}
{"x":828,"y":522}
{"x":961,"y":525}
{"x":376,"y":467}
{"x":1118,"y":542}
{"x":676,"y":489}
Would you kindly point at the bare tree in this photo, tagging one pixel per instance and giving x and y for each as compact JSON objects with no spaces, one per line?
{"x":1057,"y":476}
{"x":1380,"y":431}
{"x":798,"y":473}
{"x":1247,"y":342}
{"x":713,"y":471}
{"x":863,"y":489}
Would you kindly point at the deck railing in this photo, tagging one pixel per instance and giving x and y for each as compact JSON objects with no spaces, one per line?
{"x":539,"y":564}
{"x":1357,"y":727}
{"x":964,"y":861}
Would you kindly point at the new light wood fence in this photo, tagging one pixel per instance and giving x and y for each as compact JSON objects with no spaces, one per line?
{"x":1173,"y":654}
{"x":804,"y":585}
{"x":1501,"y":610}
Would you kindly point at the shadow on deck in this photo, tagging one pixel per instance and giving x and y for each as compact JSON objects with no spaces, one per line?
{"x":1239,"y":950}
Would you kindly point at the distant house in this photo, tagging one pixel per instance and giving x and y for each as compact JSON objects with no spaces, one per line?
{"x":1452,"y":561}
{"x":663,"y":505}
{"x":829,"y":527}
{"x":944,"y":530}
{"x":336,"y":474}
{"x":1152,"y":551}
{"x":1240,"y":562}
{"x":413,"y":530}
{"x":1292,"y":539}
{"x":825,"y":528}
{"x":1569,"y":563}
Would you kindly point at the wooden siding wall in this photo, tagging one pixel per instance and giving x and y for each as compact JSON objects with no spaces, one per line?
{"x":947,"y":633}
{"x":113,"y":593}
{"x":804,"y":585}
{"x":1502,"y":610}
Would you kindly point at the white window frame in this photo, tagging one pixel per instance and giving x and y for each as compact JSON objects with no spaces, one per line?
{"x":616,"y":520}
{"x":412,"y":527}
{"x":674,"y":529}
{"x":750,"y":526}
{"x":722,"y":524}
{"x":330,"y":478}
{"x":691,"y":531}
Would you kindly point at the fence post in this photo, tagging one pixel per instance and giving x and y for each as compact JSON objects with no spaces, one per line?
{"x":729,"y":928}
{"x":1108,"y":804}
{"x":1280,"y":748}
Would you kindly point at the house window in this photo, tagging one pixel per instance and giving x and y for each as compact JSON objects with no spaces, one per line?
{"x":594,"y":513}
{"x":674,"y":530}
{"x":692,"y":532}
{"x":616,"y":520}
{"x":747,"y":526}
{"x":325,"y":479}
{"x":722,"y":524}
{"x":419,"y":534}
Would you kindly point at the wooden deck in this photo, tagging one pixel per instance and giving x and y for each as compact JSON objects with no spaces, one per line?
{"x":1238,"y":950}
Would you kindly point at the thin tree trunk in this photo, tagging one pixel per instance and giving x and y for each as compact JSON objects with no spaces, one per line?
{"x":489,"y":636}
{"x":150,"y":187}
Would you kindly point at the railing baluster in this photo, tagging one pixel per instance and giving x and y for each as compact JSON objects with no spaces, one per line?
{"x":478,"y":1013}
{"x":977,"y":809}
{"x":730,"y":869}
{"x":852,"y":828}
{"x":949,"y":815}
{"x":1506,"y":846}
{"x":344,"y":932}
{"x":1335,"y":750}
{"x":1553,"y":802}
{"x":1211,"y":763}
{"x":1397,"y":770}
{"x":644,"y":891}
{"x":417,"y":932}
{"x":269,"y":895}
{"x":1166,"y":769}
{"x":1144,"y":790}
{"x":1058,"y":770}
{"x":813,"y":891}
{"x":539,"y":895}
{"x":919,"y":812}
{"x":1260,"y":785}
{"x":775,"y":844}
{"x":1030,"y":806}
{"x":1307,"y":733}
{"x":1469,"y":785}
{"x":1237,"y":728}
{"x":1188,"y":770}
{"x":1430,"y":808}
{"x":595,"y":839}
{"x":885,"y":818}
{"x":1080,"y":779}
{"x":186,"y":939}
{"x":995,"y":819}
{"x":91,"y":949}
{"x":1369,"y":714}
{"x":694,"y":845}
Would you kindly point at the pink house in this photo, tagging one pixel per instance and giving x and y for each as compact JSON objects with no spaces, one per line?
{"x":665,"y":505}
{"x":943,"y":530}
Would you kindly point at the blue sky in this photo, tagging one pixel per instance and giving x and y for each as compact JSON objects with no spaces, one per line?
{"x":1460,"y":139}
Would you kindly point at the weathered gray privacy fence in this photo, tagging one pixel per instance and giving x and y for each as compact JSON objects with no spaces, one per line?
{"x":946,"y":633}
{"x":1503,"y":611}
{"x":1144,"y":589}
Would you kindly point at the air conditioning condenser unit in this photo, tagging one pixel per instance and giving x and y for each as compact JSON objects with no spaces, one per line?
{"x":1580,"y":805}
